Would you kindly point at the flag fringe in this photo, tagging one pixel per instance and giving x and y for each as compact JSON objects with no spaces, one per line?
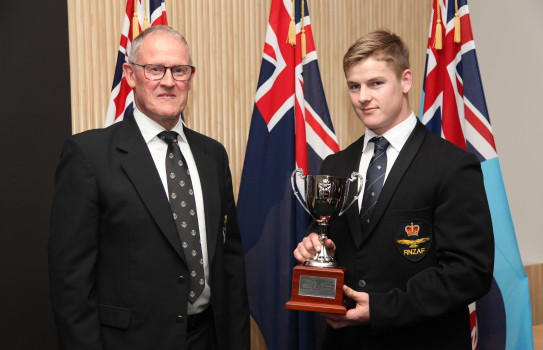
{"x":457,"y":36}
{"x":304,"y":51}
{"x":145,"y":20}
{"x":291,"y":39}
{"x":438,"y":41}
{"x":135,"y":22}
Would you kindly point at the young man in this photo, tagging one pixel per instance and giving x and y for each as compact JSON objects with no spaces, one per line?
{"x":145,"y":250}
{"x":419,"y":247}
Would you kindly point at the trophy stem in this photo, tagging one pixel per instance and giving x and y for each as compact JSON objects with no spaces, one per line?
{"x":322,"y":258}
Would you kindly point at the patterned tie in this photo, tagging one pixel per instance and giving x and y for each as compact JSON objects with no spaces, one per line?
{"x":375,"y":177}
{"x":183,"y":207}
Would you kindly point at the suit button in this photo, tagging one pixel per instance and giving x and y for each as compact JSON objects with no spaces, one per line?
{"x":181,"y":280}
{"x":361,"y":283}
{"x":180,"y":319}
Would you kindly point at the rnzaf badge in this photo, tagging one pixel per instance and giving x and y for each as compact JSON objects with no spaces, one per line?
{"x":413,"y":239}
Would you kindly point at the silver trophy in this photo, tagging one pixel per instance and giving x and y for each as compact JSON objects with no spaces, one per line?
{"x":325,"y":198}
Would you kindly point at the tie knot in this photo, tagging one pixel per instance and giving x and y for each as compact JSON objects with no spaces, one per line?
{"x":168,"y":136}
{"x":380,"y":142}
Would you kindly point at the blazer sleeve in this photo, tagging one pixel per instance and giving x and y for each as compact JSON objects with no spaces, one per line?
{"x":464,"y":249}
{"x":73,"y":247}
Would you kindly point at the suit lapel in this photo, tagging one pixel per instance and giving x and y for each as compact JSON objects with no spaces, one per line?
{"x":209,"y":181}
{"x":353,"y":212}
{"x":141,"y":170}
{"x":408,"y":152}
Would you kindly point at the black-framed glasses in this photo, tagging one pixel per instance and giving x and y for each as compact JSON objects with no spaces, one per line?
{"x":181,"y":72}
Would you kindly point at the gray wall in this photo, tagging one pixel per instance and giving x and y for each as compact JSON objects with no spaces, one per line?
{"x":509,"y":42}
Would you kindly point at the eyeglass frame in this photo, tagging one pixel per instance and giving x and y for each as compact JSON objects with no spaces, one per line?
{"x":165,"y":70}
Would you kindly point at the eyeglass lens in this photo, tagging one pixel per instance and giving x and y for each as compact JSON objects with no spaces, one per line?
{"x":157,"y":71}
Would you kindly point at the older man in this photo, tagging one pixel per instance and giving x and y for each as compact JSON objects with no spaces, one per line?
{"x":145,"y":251}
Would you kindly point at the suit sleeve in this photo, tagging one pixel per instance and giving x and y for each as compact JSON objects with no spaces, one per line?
{"x":464,"y":249}
{"x":234,"y":264}
{"x":73,"y":248}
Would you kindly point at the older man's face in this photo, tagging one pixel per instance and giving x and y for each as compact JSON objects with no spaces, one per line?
{"x":161,"y":100}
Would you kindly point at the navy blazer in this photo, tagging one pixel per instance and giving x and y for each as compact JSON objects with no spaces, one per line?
{"x":428,"y":252}
{"x":117,"y":269}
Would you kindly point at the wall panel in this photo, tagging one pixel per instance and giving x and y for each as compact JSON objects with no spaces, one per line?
{"x":35,"y":100}
{"x":226,"y":39}
{"x":535,"y":278}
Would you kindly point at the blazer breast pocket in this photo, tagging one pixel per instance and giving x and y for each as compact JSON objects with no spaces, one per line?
{"x":114,"y":316}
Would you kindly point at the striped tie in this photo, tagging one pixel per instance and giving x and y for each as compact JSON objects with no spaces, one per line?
{"x":375,"y":177}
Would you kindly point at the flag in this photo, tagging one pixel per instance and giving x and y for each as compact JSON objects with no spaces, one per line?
{"x":149,"y":12}
{"x":453,"y":105}
{"x":290,"y":129}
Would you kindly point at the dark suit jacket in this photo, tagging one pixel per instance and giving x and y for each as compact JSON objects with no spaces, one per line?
{"x":419,"y":284}
{"x":117,"y":269}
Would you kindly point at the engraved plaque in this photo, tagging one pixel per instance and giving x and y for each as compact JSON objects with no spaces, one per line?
{"x":315,"y":286}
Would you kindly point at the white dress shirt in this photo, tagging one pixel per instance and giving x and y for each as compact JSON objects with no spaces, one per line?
{"x":396,"y":138}
{"x":158,"y":148}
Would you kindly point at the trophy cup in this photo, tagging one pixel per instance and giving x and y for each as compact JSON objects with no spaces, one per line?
{"x":317,"y":284}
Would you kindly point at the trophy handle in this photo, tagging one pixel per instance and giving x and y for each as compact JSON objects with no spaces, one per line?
{"x":354,"y":176}
{"x":299,"y":172}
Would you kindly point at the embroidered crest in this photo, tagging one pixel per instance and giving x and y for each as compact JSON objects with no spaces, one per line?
{"x":413,"y":239}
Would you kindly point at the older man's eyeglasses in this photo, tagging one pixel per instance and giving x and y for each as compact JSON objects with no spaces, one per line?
{"x":180,"y":72}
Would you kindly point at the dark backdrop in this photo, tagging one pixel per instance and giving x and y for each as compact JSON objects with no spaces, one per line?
{"x":34,"y":121}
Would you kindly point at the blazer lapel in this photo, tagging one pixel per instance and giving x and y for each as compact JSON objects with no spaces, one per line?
{"x":141,"y":170}
{"x":209,"y":181}
{"x":408,"y":152}
{"x":353,"y":213}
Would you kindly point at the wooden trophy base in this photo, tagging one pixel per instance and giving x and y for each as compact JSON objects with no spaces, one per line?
{"x":317,"y":289}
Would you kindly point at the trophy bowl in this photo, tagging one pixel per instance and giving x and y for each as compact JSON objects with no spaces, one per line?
{"x":325,"y":199}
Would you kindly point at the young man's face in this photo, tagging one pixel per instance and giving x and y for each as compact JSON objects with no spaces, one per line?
{"x":378,"y":96}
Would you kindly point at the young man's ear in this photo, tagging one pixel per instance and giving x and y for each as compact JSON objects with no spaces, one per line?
{"x":407,"y":80}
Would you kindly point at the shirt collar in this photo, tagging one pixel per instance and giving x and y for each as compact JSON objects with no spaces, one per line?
{"x":397,"y":136}
{"x":150,"y":129}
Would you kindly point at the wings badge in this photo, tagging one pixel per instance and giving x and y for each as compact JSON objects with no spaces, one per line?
{"x":413,"y":239}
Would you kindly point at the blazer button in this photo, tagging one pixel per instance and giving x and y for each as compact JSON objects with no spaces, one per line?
{"x":361,"y":283}
{"x":181,"y":280}
{"x":180,"y":319}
